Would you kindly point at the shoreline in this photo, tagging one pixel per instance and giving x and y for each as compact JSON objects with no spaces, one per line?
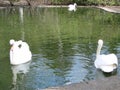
{"x":110,"y":83}
{"x":112,"y":9}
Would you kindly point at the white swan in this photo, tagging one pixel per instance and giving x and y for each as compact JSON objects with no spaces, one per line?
{"x":107,"y":63}
{"x":72,"y":7}
{"x":19,"y":52}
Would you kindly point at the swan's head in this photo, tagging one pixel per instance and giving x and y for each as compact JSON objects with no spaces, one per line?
{"x":100,"y":42}
{"x":75,"y":4}
{"x":12,"y":41}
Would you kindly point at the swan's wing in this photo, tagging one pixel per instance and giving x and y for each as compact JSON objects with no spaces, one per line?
{"x":106,"y":63}
{"x":70,"y":5}
{"x":99,"y":61}
{"x":25,"y":46}
{"x":109,"y":59}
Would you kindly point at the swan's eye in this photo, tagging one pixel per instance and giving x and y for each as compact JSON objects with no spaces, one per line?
{"x":19,"y":45}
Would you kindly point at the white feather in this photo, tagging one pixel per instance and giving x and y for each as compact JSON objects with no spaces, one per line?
{"x":72,"y":7}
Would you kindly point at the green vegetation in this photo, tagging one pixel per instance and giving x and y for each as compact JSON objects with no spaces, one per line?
{"x":88,"y":2}
{"x":66,"y":2}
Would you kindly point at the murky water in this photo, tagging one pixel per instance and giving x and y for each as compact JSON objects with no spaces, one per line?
{"x":63,"y":45}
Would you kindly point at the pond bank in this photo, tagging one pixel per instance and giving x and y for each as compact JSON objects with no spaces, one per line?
{"x":111,"y":83}
{"x":113,"y":9}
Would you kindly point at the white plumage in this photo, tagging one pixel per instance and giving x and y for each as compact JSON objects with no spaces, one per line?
{"x":107,"y":63}
{"x":19,"y":52}
{"x":72,"y":7}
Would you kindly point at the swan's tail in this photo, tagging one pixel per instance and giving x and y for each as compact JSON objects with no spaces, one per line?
{"x":108,"y":68}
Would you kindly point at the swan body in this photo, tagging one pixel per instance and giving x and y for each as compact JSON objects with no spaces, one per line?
{"x":72,"y":7}
{"x":107,"y":63}
{"x":19,"y":52}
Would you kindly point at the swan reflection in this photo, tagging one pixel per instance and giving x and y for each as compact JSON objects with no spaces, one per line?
{"x":19,"y":71}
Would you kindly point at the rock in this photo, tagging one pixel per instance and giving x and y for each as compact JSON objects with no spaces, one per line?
{"x":4,"y":2}
{"x":21,"y":3}
{"x":113,"y":9}
{"x":111,"y":83}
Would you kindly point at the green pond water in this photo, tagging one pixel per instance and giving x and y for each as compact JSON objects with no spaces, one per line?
{"x":63,"y":45}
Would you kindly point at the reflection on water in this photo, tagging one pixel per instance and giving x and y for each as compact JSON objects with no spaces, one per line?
{"x":63,"y":44}
{"x":21,"y":15}
{"x":19,"y":70}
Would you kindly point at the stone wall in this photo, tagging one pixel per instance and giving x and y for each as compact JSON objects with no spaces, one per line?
{"x":24,"y":2}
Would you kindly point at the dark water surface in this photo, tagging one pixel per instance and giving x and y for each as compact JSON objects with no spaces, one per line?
{"x":63,"y":45}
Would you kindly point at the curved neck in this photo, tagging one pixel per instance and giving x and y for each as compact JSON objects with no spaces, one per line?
{"x":98,"y":49}
{"x":74,"y":4}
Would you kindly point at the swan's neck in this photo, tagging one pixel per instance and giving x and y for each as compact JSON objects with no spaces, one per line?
{"x":74,"y":4}
{"x":98,"y":49}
